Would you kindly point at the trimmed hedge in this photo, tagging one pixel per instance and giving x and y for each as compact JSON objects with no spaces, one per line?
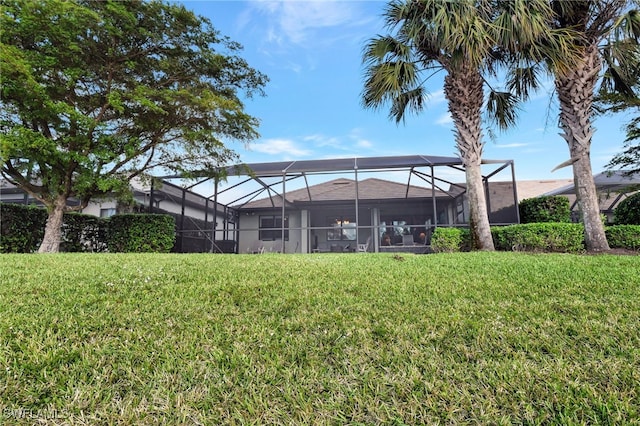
{"x":141,"y":233}
{"x":449,"y":240}
{"x":83,"y":233}
{"x":623,"y":236}
{"x":553,"y":208}
{"x":628,"y":211}
{"x":545,"y":237}
{"x":21,"y":228}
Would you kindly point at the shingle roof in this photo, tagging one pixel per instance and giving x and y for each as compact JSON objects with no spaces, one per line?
{"x":343,"y":189}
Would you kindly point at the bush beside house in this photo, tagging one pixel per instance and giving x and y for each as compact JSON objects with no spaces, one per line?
{"x":553,"y":208}
{"x":623,"y":236}
{"x":141,"y":233}
{"x":628,"y":211}
{"x":449,"y":240}
{"x":22,"y":230}
{"x":540,"y":237}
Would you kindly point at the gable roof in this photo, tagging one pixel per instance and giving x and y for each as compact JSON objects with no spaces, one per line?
{"x":605,"y":182}
{"x":343,"y":189}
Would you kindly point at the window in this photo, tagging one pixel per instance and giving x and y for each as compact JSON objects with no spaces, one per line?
{"x":344,"y":229}
{"x":271,"y":228}
{"x":107,"y":212}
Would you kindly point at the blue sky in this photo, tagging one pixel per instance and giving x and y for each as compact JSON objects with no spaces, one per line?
{"x":312,"y":53}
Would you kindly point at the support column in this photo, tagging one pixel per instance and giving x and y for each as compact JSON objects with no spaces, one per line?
{"x":304,"y":231}
{"x":284,"y":195}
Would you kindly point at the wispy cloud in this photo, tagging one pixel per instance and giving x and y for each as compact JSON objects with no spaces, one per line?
{"x":280,"y":146}
{"x":322,"y":141}
{"x":300,"y":22}
{"x":436,"y":98}
{"x":363,"y":143}
{"x":444,"y":119}
{"x":512,"y":145}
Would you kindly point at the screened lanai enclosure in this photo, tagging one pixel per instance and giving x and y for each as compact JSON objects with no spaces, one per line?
{"x":374,"y":204}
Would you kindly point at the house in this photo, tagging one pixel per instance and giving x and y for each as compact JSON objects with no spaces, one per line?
{"x":353,"y":212}
{"x":612,"y":187}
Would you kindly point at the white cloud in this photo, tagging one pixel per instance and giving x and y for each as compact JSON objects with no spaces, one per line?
{"x":512,"y":145}
{"x":363,"y":143}
{"x":295,"y":21}
{"x":445,"y":119}
{"x":280,"y":146}
{"x":322,"y":141}
{"x":436,"y":98}
{"x":300,"y":22}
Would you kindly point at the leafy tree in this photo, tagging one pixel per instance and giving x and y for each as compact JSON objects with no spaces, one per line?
{"x":607,"y":32}
{"x":628,"y":211}
{"x":468,"y":40}
{"x":95,"y":93}
{"x":628,"y":160}
{"x":608,"y":101}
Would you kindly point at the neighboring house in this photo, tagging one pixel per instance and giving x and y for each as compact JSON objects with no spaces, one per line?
{"x":612,"y":187}
{"x":196,"y":230}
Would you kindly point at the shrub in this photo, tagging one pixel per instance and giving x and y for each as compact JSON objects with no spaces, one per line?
{"x":22,"y":228}
{"x":141,"y":233}
{"x":547,"y":237}
{"x":448,"y":240}
{"x":553,"y":208}
{"x":83,"y":233}
{"x":623,"y":236}
{"x":628,"y":211}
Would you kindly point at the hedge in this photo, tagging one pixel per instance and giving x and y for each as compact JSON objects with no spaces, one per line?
{"x":623,"y":236}
{"x":21,"y":228}
{"x":552,"y":208}
{"x":141,"y":233}
{"x":83,"y":233}
{"x":628,"y":211}
{"x":448,"y":240}
{"x":545,"y":237}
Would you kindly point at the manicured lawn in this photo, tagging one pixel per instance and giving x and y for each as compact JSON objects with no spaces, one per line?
{"x":489,"y":338}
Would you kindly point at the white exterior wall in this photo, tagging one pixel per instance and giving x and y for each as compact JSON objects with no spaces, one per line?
{"x":249,"y":233}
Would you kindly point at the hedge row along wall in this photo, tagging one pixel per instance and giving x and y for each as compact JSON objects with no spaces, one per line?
{"x":537,"y":237}
{"x":22,"y":229}
{"x":545,"y":209}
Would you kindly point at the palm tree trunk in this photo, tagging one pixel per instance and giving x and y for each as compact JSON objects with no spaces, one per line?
{"x":464,"y":91}
{"x":53,"y":229}
{"x":575,"y":93}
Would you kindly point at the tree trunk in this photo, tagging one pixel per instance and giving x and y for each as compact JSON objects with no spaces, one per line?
{"x":478,"y":213}
{"x":464,"y":91}
{"x":575,"y":93}
{"x":53,"y":229}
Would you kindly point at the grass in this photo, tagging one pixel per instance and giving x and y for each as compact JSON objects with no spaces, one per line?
{"x":471,"y":338}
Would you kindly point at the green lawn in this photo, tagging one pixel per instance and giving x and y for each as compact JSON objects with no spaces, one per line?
{"x":476,"y":338}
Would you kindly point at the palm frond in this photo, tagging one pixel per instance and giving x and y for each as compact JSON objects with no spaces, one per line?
{"x":521,"y":81}
{"x":412,"y":100}
{"x":388,"y":80}
{"x":502,"y":109}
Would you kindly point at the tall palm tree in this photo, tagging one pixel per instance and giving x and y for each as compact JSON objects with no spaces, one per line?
{"x":468,"y":40}
{"x":607,"y":33}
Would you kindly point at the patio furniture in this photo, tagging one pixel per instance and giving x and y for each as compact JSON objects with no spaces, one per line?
{"x":256,"y":247}
{"x":407,"y":240}
{"x":363,"y":248}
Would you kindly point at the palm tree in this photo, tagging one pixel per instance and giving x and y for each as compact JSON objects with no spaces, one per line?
{"x":467,"y":39}
{"x":607,"y":32}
